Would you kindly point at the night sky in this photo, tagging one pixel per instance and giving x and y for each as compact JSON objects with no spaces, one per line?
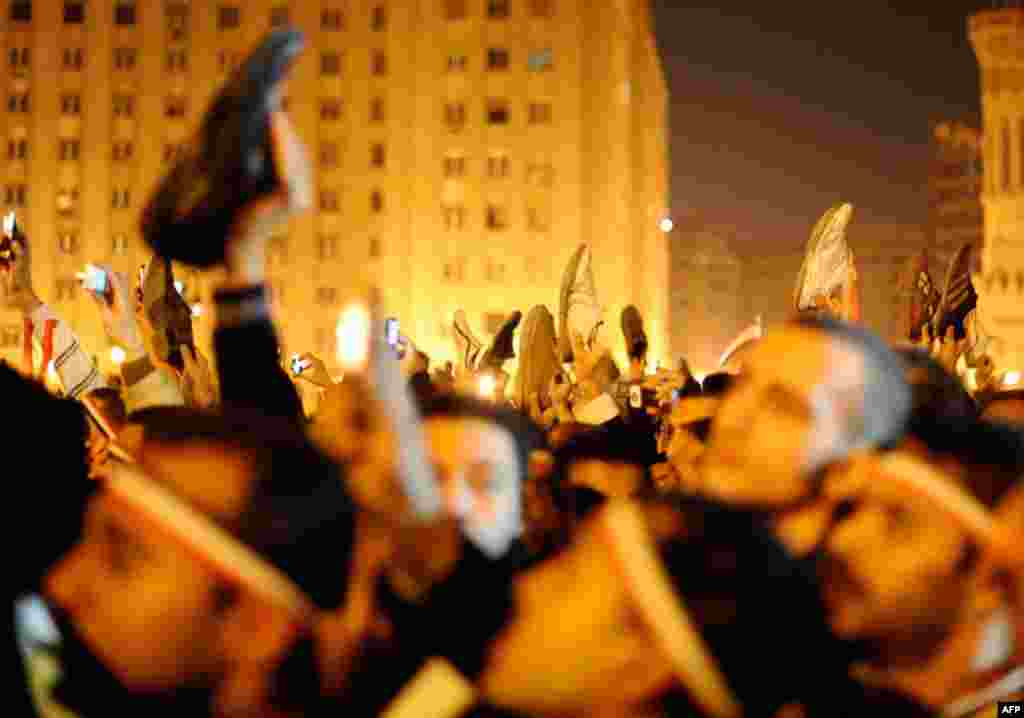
{"x":778,"y":109}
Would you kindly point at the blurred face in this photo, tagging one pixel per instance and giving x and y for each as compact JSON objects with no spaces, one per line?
{"x":477,"y":466}
{"x":138,"y":598}
{"x":892,"y":562}
{"x":575,"y":642}
{"x":781,"y":422}
{"x":614,"y":479}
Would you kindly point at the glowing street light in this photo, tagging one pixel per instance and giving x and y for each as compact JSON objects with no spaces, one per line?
{"x":666,"y":225}
{"x":117,"y":355}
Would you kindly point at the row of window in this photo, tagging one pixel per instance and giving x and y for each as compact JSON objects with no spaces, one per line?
{"x":495,"y":218}
{"x":229,"y":17}
{"x":455,"y":271}
{"x":496,"y":112}
{"x":498,"y":58}
{"x":176,"y":60}
{"x":498,"y":167}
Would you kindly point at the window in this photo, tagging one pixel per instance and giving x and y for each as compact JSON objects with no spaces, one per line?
{"x":65,"y":289}
{"x":454,"y":216}
{"x":454,"y":166}
{"x":74,"y":58}
{"x":377,"y":156}
{"x":454,"y":9}
{"x":70,"y":104}
{"x":229,"y":17}
{"x":328,"y":200}
{"x":176,"y":14}
{"x":497,"y":166}
{"x":74,"y":12}
{"x":492,"y":320}
{"x":124,"y":58}
{"x":17,"y":149}
{"x":16,"y":195}
{"x":327,"y":247}
{"x":227,"y":60}
{"x":124,"y":13}
{"x":330,"y":63}
{"x":123,"y":151}
{"x":20,"y":58}
{"x":67,"y":242}
{"x":540,"y":113}
{"x":67,"y":201}
{"x":496,"y":218}
{"x":457,"y":62}
{"x":455,"y":116}
{"x":540,"y":175}
{"x":540,"y":60}
{"x":455,"y":270}
{"x":177,"y":60}
{"x":326,"y":296}
{"x":536,"y":220}
{"x":121,"y":199}
{"x":379,"y":63}
{"x":69,"y":150}
{"x":333,"y":20}
{"x":377,"y":109}
{"x":497,"y":58}
{"x":493,"y":272}
{"x":18,"y":102}
{"x":542,"y":8}
{"x":119,"y":244}
{"x":497,"y":9}
{"x":376,"y":202}
{"x":374,"y":247}
{"x":330,"y":109}
{"x":279,"y":16}
{"x":378,"y":18}
{"x":328,"y":154}
{"x":21,"y":11}
{"x":10,"y":336}
{"x":497,"y":112}
{"x":174,"y":107}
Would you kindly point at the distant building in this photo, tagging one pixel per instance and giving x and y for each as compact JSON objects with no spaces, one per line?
{"x":462,"y":150}
{"x":998,"y":40}
{"x":954,"y":191}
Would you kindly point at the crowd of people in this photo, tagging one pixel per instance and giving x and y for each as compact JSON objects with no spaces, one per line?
{"x":826,"y":526}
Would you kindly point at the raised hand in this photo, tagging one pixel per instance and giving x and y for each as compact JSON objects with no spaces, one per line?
{"x":16,"y":291}
{"x":197,"y":380}
{"x":119,"y":312}
{"x":316,"y":372}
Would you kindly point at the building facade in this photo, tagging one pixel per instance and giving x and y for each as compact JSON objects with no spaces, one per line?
{"x":954,"y":191}
{"x":998,"y":40}
{"x":462,"y":150}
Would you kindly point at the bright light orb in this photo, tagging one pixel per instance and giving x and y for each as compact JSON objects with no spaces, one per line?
{"x":353,"y":337}
{"x":117,"y":355}
{"x":667,"y":225}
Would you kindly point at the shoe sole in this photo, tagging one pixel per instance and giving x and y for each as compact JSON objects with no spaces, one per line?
{"x":958,"y":295}
{"x":568,"y":280}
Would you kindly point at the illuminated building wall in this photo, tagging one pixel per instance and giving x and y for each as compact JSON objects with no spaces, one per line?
{"x":998,"y":40}
{"x":463,"y":149}
{"x":954,"y":193}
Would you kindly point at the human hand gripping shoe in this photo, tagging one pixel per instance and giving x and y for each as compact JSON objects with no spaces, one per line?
{"x":244,"y":153}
